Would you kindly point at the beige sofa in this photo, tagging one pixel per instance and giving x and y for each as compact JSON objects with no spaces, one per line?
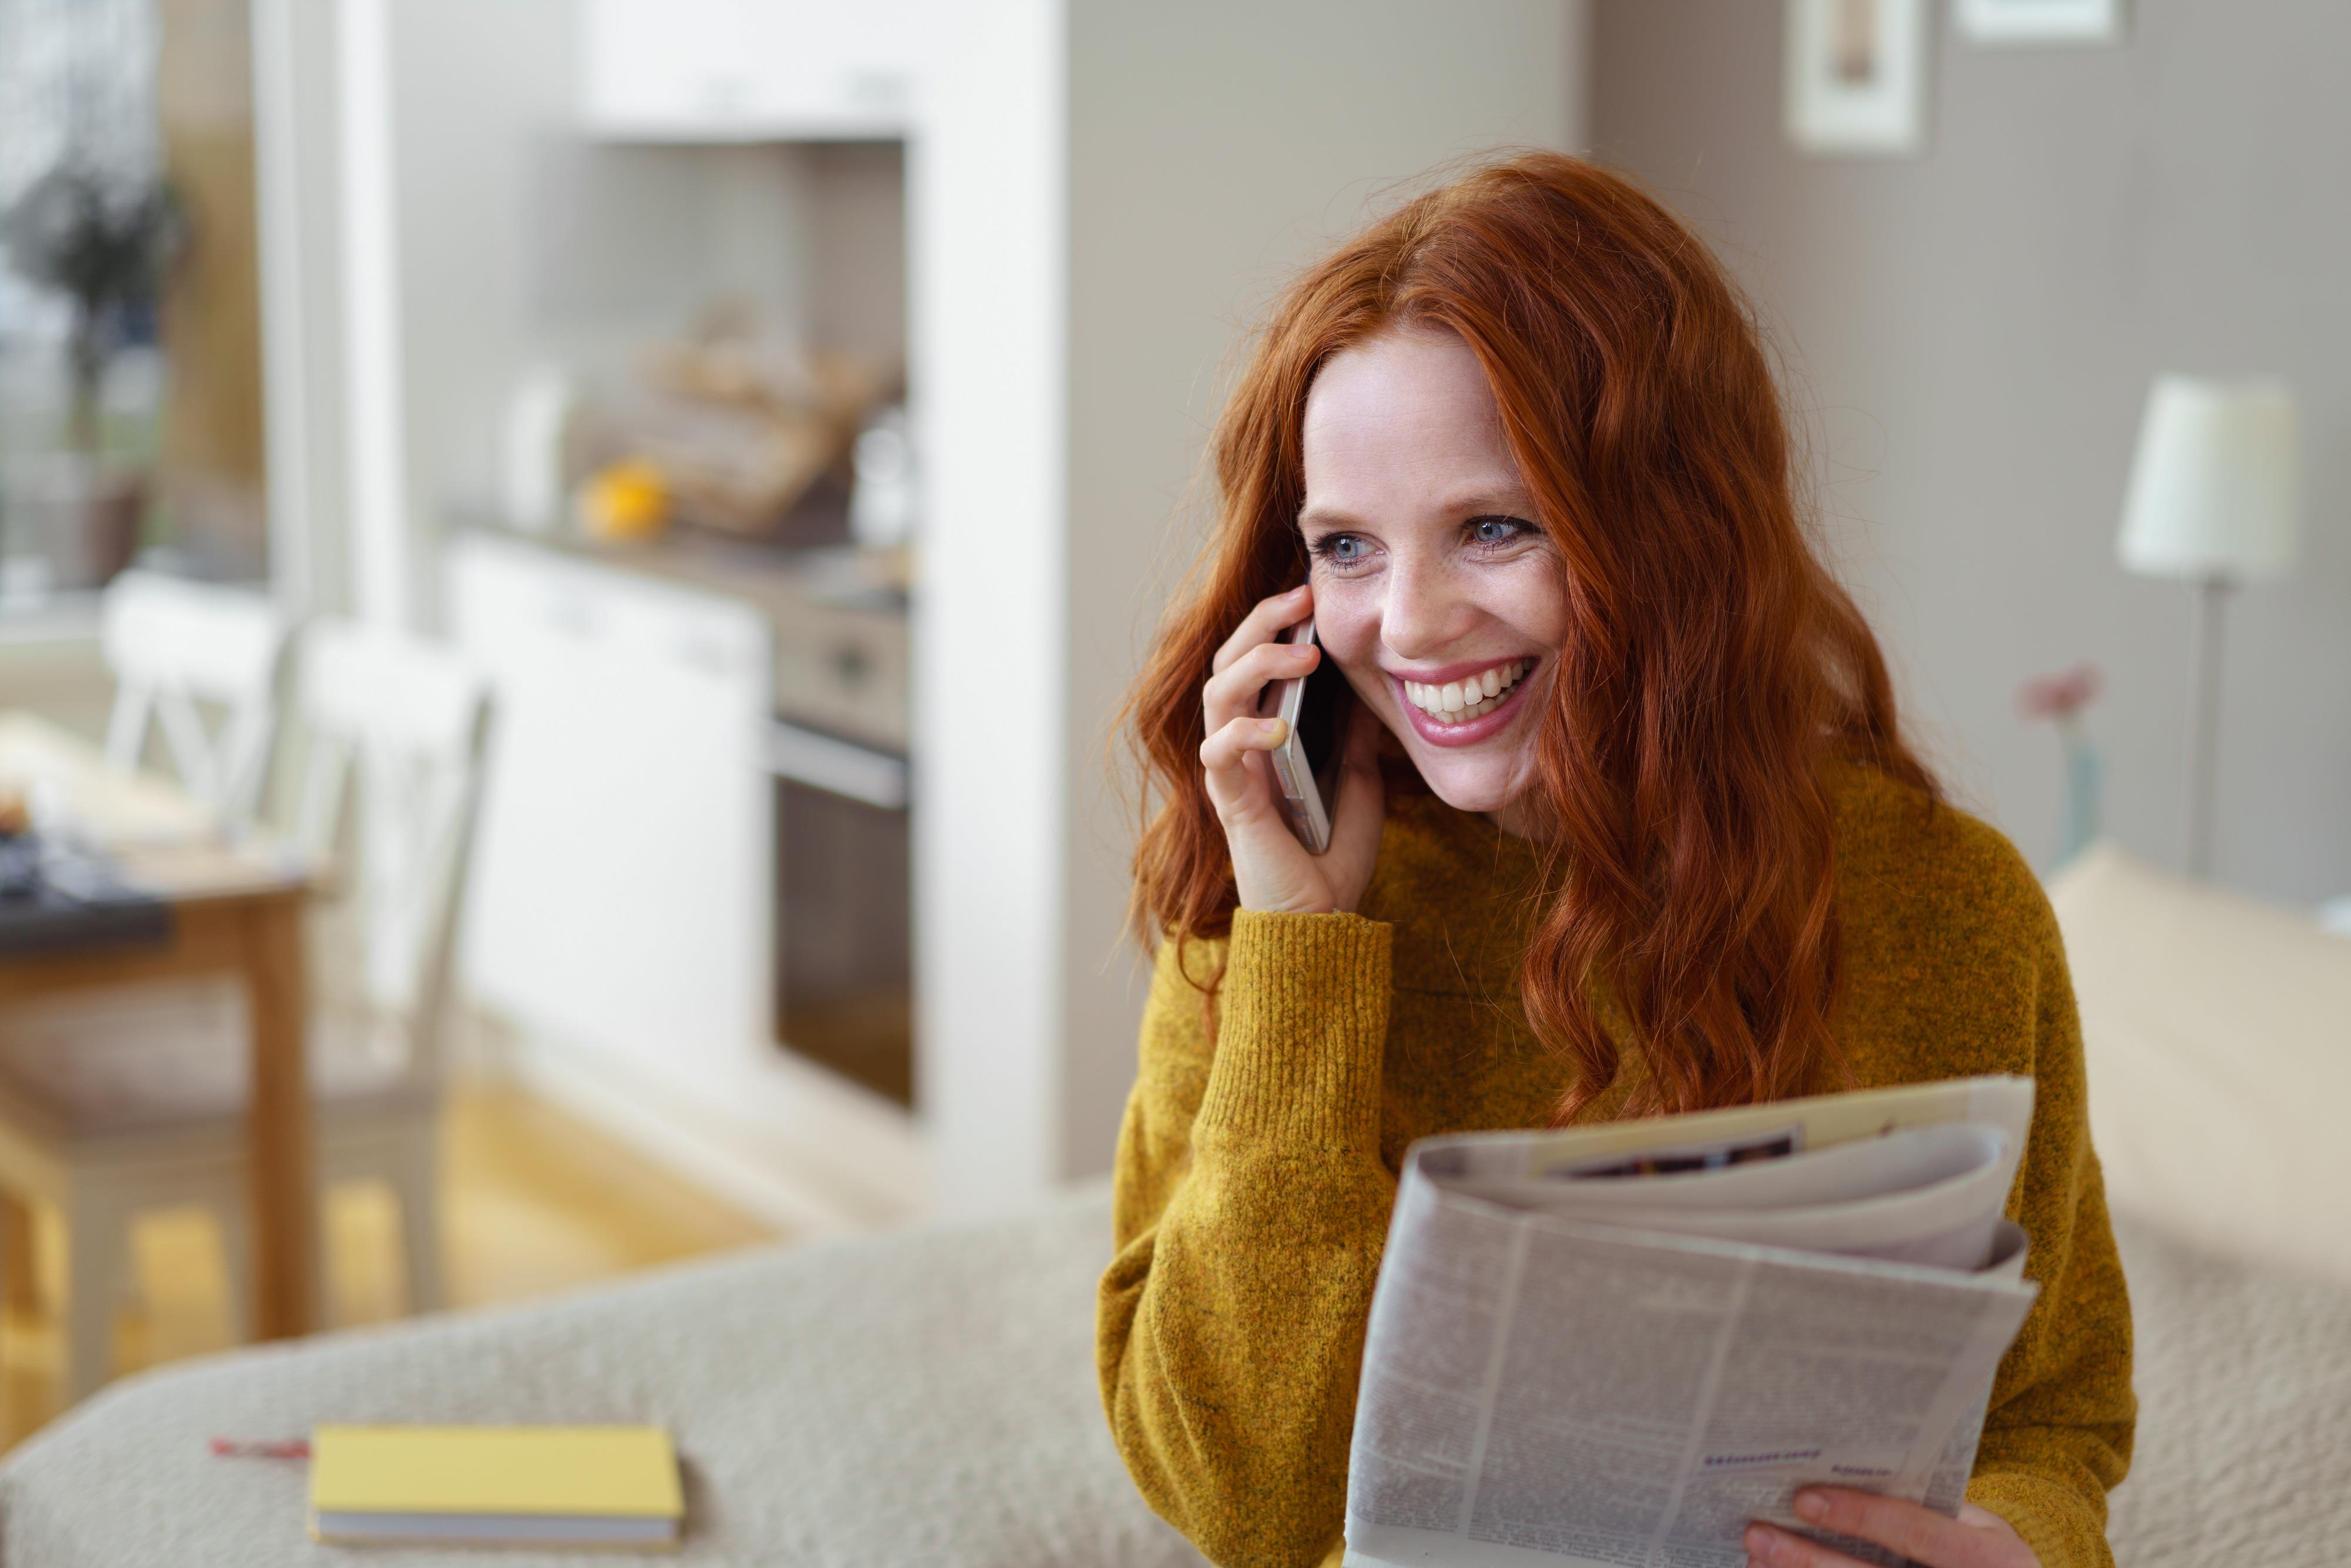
{"x":928,"y":1399}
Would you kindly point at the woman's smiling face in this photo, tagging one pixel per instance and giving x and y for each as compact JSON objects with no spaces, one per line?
{"x":1433,"y":588}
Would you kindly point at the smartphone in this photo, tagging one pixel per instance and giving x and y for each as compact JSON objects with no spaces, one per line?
{"x":1306,"y":764}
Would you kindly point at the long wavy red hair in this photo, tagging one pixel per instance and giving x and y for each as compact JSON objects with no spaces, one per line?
{"x":1714,"y":664}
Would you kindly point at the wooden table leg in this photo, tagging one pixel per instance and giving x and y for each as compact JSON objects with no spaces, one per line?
{"x":18,"y":1262}
{"x":284,"y":1228}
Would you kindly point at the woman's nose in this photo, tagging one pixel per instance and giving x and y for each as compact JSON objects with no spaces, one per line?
{"x":1423,"y":612}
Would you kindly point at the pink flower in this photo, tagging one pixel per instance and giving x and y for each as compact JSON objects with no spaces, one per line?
{"x":2059,"y":696}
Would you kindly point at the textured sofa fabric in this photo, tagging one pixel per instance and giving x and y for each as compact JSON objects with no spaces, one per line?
{"x":2244,"y":1423}
{"x":915,"y":1399}
{"x":2217,"y":1031}
{"x":929,"y":1399}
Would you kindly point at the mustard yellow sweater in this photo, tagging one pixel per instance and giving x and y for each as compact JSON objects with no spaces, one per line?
{"x":1256,"y":1172}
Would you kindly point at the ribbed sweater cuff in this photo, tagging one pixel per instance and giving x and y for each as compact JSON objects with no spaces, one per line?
{"x":1302,"y":1021}
{"x":2061,"y":1528}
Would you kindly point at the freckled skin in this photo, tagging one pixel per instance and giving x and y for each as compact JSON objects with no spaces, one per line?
{"x":1404,"y":451}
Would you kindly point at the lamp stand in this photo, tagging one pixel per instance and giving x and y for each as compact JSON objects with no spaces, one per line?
{"x":2203,"y":718}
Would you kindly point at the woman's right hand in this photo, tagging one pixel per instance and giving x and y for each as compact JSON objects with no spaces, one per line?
{"x":1271,"y":869}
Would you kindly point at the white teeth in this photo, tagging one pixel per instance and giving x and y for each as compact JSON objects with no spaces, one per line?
{"x":1457,"y":702}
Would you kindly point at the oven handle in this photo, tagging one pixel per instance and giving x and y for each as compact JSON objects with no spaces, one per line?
{"x":838,"y":767}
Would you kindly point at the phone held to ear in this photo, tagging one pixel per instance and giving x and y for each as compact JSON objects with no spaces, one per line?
{"x":1316,"y":708}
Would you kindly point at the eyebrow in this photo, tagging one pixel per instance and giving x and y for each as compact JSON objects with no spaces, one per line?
{"x":1469,"y":503}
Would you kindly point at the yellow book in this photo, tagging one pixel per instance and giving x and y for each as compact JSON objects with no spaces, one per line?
{"x":505,"y":1486}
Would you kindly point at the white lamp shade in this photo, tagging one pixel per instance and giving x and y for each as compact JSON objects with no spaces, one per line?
{"x":2216,"y":486}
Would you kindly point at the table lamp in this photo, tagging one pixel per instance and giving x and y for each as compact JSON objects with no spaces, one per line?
{"x":2215,"y":500}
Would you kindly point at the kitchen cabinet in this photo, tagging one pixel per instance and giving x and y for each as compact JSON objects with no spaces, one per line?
{"x":692,"y":853}
{"x":690,"y":881}
{"x":750,"y":70}
{"x":621,"y":894}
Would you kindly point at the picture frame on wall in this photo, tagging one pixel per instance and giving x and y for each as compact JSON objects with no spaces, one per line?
{"x":2039,"y":21}
{"x":1856,"y":77}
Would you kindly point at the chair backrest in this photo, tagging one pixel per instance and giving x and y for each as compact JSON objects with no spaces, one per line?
{"x":176,"y":648}
{"x":407,"y":722}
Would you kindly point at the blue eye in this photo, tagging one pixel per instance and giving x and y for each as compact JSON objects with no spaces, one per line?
{"x":1497,"y":530}
{"x":1342,"y":550}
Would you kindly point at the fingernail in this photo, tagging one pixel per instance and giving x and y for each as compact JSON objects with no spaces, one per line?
{"x":1274,"y":729}
{"x":1811,"y":1506}
{"x":1303,"y":650}
{"x":1296,"y":592}
{"x":1758,"y":1543}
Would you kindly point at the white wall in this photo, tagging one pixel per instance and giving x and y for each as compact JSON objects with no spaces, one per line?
{"x":1214,"y":148}
{"x":474,"y":89}
{"x":1973,"y":332}
{"x":989,"y":218}
{"x":299,"y":218}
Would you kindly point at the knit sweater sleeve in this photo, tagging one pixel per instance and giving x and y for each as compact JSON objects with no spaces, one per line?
{"x":1251,"y":1208}
{"x":2058,"y":1435}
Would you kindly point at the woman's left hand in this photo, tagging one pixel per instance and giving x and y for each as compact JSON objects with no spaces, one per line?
{"x":1976,"y":1539}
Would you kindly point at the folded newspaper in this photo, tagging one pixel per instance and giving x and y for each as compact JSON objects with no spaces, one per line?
{"x":1618,"y":1345}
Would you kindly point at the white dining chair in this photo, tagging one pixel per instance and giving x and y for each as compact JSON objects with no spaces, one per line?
{"x":120,"y":1103}
{"x":200,"y":665}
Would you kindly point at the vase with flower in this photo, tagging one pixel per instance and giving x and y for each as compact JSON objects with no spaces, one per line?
{"x":2059,"y":700}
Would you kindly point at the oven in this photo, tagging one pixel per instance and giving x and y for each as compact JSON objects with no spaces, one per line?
{"x":843,"y":912}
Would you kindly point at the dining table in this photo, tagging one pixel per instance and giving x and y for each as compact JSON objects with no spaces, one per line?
{"x":184,"y":895}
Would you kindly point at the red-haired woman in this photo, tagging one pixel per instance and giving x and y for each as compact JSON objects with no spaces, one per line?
{"x":1649,"y":839}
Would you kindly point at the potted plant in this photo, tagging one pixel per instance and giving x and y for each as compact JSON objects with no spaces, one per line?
{"x":105,"y":243}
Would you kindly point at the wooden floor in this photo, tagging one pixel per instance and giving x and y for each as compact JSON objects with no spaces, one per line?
{"x":533,"y":1203}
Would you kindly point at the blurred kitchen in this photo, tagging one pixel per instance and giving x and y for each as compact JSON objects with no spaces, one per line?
{"x":621,"y":526}
{"x":647,"y":438}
